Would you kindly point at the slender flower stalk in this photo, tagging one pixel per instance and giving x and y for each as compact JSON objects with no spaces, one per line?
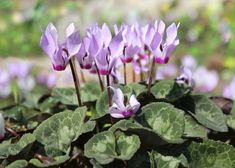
{"x":82,"y":76}
{"x":76,"y":80}
{"x":133,"y":75}
{"x":99,"y":77}
{"x":109,"y":96}
{"x":151,"y":75}
{"x":124,"y":73}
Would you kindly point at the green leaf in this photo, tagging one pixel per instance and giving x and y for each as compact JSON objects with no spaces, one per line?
{"x":89,"y":92}
{"x":210,"y":153}
{"x":65,"y":95}
{"x":231,"y":121}
{"x":208,"y":114}
{"x":137,"y":88}
{"x":194,"y":129}
{"x":18,"y":164}
{"x":11,"y":149}
{"x":56,"y":161}
{"x":124,"y":125}
{"x":48,"y":105}
{"x":59,"y":131}
{"x":102,"y":106}
{"x":169,"y":90}
{"x":15,"y":113}
{"x":165,"y":120}
{"x":160,"y":161}
{"x":105,"y":147}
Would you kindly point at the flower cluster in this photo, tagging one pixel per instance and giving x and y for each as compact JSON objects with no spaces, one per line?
{"x":100,"y":51}
{"x":18,"y":75}
{"x":103,"y":51}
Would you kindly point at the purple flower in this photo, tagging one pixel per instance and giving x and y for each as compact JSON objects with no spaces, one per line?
{"x":19,"y":69}
{"x":132,"y":43}
{"x":186,"y":77}
{"x":122,"y":107}
{"x":60,"y":53}
{"x":48,"y":80}
{"x":5,"y":85}
{"x":2,"y":127}
{"x":86,"y":54}
{"x":26,"y":84}
{"x":229,"y":90}
{"x":189,"y":61}
{"x":107,"y":57}
{"x":205,"y":80}
{"x":161,"y":48}
{"x":166,"y":71}
{"x":140,"y":63}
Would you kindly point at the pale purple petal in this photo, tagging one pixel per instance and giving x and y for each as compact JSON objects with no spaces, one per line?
{"x":107,"y":35}
{"x":135,"y":105}
{"x":115,"y":112}
{"x":118,"y":98}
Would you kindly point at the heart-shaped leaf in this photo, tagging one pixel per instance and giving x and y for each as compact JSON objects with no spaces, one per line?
{"x":59,"y":131}
{"x":194,"y":129}
{"x":211,"y":154}
{"x":169,"y":90}
{"x":105,"y":147}
{"x":159,"y":161}
{"x":11,"y":149}
{"x":165,"y":120}
{"x":208,"y":114}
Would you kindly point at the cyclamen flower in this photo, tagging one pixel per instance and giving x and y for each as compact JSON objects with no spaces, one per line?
{"x":107,"y":57}
{"x":166,"y":71}
{"x":48,"y":80}
{"x":163,"y":51}
{"x":229,"y":90}
{"x":186,"y":77}
{"x":60,"y":53}
{"x":205,"y":80}
{"x":2,"y":127}
{"x":140,"y":63}
{"x":5,"y":85}
{"x":122,"y":107}
{"x":189,"y":61}
{"x":19,"y":69}
{"x":132,"y":43}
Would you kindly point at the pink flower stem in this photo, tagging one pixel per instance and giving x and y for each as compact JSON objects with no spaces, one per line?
{"x":151,"y":75}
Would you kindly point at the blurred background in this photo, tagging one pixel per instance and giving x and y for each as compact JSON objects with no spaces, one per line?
{"x":206,"y":32}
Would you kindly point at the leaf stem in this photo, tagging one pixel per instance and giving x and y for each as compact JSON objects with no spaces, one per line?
{"x":151,"y":75}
